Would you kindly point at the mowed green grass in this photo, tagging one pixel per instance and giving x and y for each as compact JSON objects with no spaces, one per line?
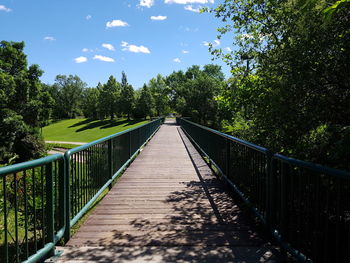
{"x":86,"y":130}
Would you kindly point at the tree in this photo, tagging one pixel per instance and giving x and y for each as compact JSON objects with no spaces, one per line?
{"x":296,"y":88}
{"x":21,"y":105}
{"x":127,"y":100}
{"x":145,"y":103}
{"x":90,"y":102}
{"x":160,"y":93}
{"x":67,"y":91}
{"x":109,"y":98}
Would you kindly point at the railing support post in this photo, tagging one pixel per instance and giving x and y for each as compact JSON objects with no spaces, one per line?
{"x":228,"y":157}
{"x":270,"y":191}
{"x":50,"y":230}
{"x":110,"y":161}
{"x":62,"y":193}
{"x":67,"y":197}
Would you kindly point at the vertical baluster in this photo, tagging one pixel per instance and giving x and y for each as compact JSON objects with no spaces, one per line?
{"x":16,"y":217}
{"x":6,"y":248}
{"x":25,"y":213}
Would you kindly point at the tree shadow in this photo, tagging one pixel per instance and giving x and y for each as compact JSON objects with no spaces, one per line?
{"x":82,"y":122}
{"x":104,"y":124}
{"x":196,"y":222}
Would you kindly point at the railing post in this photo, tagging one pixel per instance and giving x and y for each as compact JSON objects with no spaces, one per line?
{"x":270,"y":191}
{"x":50,"y":230}
{"x":283,"y":198}
{"x":67,"y":197}
{"x":228,"y":157}
{"x":62,"y":192}
{"x":110,"y":161}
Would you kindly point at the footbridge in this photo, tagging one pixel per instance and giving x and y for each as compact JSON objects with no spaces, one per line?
{"x":173,"y":191}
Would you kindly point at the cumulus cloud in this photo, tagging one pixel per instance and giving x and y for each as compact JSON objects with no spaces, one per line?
{"x":88,"y":17}
{"x":177,"y":60}
{"x":158,"y":17}
{"x":228,"y":49}
{"x":215,"y":44}
{"x":48,"y":38}
{"x":108,"y":46}
{"x":192,"y":9}
{"x":185,"y":51}
{"x":146,"y":3}
{"x":5,"y":9}
{"x":103,"y":58}
{"x":116,"y":23}
{"x":185,"y":2}
{"x":133,"y":48}
{"x":80,"y":59}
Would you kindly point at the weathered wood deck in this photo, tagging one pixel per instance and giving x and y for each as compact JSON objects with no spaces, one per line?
{"x":167,"y":207}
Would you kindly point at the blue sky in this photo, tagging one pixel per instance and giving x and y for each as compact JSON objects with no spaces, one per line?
{"x":98,"y":38}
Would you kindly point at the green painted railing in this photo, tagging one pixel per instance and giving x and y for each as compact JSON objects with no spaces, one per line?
{"x":305,"y":206}
{"x":41,"y":200}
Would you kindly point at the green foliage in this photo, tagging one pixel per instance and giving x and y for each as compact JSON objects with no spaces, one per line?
{"x":67,"y":92}
{"x":159,"y":91}
{"x":127,"y":97}
{"x":196,"y":93}
{"x":109,"y":95}
{"x":297,"y":79}
{"x":22,"y":105}
{"x":144,"y":103}
{"x":90,"y":102}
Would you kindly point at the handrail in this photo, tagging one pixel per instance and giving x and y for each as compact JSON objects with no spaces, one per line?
{"x":51,"y":194}
{"x":305,"y":206}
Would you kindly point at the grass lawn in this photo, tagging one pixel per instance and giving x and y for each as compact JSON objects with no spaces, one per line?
{"x":86,"y":130}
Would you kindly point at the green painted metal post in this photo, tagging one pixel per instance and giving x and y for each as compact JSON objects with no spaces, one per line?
{"x":283,"y":198}
{"x":228,"y":157}
{"x":270,"y":191}
{"x":62,"y":193}
{"x":67,"y":198}
{"x":110,"y":161}
{"x":50,"y":229}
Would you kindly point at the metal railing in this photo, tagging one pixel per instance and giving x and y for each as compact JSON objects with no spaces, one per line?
{"x":304,"y":205}
{"x":41,"y":200}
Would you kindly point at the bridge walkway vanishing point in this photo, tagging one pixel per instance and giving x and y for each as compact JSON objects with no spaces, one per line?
{"x":167,"y":207}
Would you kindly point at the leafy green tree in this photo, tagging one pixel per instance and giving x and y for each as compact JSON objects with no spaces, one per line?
{"x":67,"y":92}
{"x":144,"y":103}
{"x":109,"y":98}
{"x":90,"y":102}
{"x":295,"y":89}
{"x":21,"y":105}
{"x":160,"y":93}
{"x":127,"y":100}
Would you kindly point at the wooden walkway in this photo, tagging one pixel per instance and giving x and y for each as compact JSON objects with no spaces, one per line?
{"x":167,"y":207}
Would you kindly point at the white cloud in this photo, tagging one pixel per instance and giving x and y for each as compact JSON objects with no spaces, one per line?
{"x":85,"y":50}
{"x":115,"y":23}
{"x":158,"y":17}
{"x":215,"y":44}
{"x":49,"y":38}
{"x":192,"y":9}
{"x":133,"y":48}
{"x":185,"y":51}
{"x":146,"y":3}
{"x":184,"y":2}
{"x":228,"y":49}
{"x":108,"y":46}
{"x":177,"y":60}
{"x":88,"y":17}
{"x":4,"y":8}
{"x":103,"y":58}
{"x":80,"y":59}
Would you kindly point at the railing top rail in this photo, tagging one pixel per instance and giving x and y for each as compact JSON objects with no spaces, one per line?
{"x":85,"y":146}
{"x":29,"y":164}
{"x":312,"y":166}
{"x":240,"y":141}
